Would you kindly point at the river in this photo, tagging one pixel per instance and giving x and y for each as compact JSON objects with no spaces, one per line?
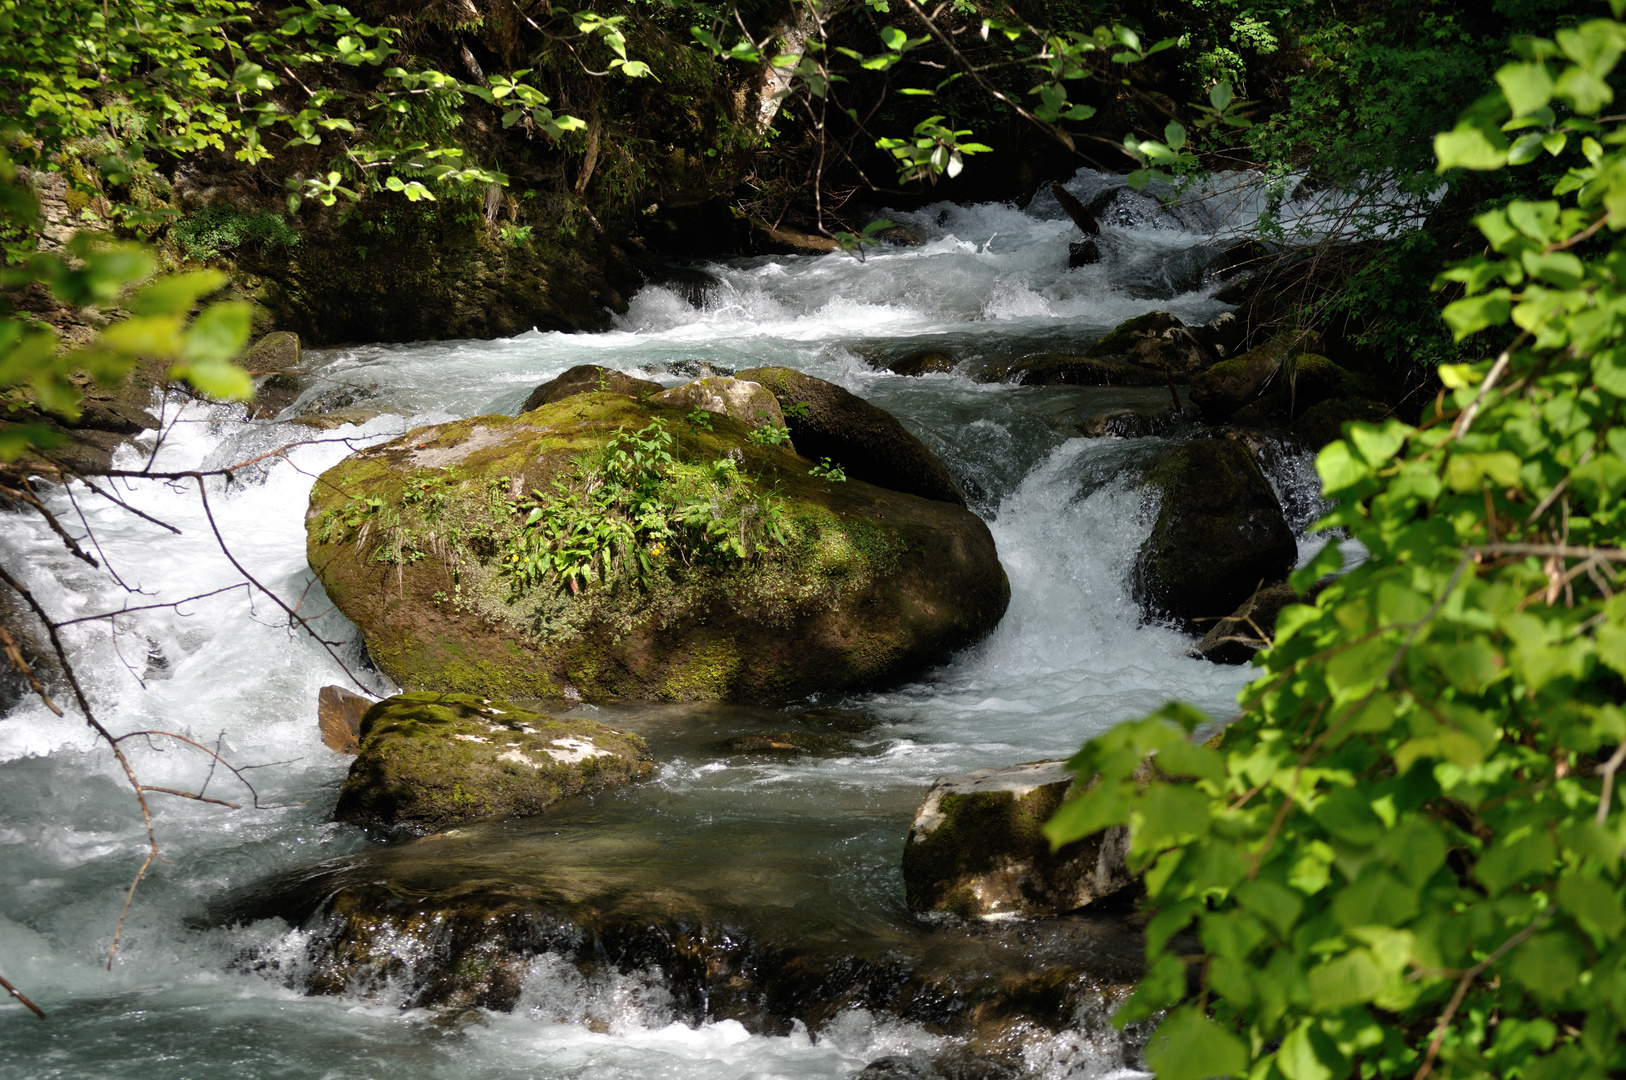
{"x":802,"y":851}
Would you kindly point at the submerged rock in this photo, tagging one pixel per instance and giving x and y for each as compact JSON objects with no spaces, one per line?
{"x":748,"y":402}
{"x":1220,"y":532}
{"x":976,"y":847}
{"x":1061,"y":369}
{"x":724,"y":572}
{"x":827,"y":421}
{"x":585,"y":379}
{"x":1156,"y":340}
{"x":923,"y":362}
{"x":428,"y":761}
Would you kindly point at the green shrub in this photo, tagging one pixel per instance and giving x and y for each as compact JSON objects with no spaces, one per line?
{"x":1404,"y":858}
{"x":219,"y":229}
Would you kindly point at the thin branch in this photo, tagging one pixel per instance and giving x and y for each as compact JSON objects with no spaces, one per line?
{"x":1465,"y":982}
{"x":20,"y":996}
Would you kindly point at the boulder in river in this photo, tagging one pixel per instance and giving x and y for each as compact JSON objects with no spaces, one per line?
{"x":614,"y":548}
{"x":1324,"y":421}
{"x":1280,"y":365}
{"x":977,"y":847}
{"x":276,"y":351}
{"x":748,"y":402}
{"x":429,"y":761}
{"x":1156,"y":340}
{"x":922,"y":362}
{"x":586,"y":378}
{"x":1219,"y":532}
{"x":828,"y":421}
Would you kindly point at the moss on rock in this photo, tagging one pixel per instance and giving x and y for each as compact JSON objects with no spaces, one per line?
{"x":431,"y":760}
{"x":863,"y":586}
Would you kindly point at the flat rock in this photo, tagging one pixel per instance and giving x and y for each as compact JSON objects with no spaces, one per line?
{"x":976,"y":848}
{"x":428,"y":761}
{"x":1062,"y":369}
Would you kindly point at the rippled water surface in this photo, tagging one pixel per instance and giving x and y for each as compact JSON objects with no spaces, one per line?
{"x":1070,"y":658}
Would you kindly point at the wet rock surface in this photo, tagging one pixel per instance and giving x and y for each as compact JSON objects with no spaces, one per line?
{"x":828,"y":421}
{"x":338,"y":715}
{"x":1235,"y":638}
{"x":1156,"y":340}
{"x":977,"y":849}
{"x":1220,"y":532}
{"x":427,"y":761}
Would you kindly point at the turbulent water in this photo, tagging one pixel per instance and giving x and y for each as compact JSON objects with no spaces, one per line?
{"x":818,"y":835}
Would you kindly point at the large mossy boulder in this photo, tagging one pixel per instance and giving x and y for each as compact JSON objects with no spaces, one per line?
{"x":977,"y":847}
{"x":828,"y":421}
{"x":616,"y":548}
{"x":429,"y":761}
{"x":1219,"y":533}
{"x":1275,"y":382}
{"x":748,"y":402}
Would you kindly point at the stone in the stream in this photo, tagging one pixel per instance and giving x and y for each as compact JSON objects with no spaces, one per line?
{"x":428,"y":761}
{"x":1085,"y":252}
{"x":338,"y":715}
{"x":1219,"y":532}
{"x":1235,"y":638}
{"x":977,"y":847}
{"x":584,"y":379}
{"x":922,"y":362}
{"x":1124,"y":424}
{"x":827,"y":421}
{"x":1155,"y":340}
{"x":1063,"y":369}
{"x":748,"y":402}
{"x":748,"y":579}
{"x":276,"y":351}
{"x":1280,"y":380}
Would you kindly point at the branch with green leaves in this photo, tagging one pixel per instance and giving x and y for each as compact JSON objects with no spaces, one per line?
{"x":1404,"y":858}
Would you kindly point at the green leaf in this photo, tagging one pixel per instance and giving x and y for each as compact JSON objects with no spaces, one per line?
{"x":1351,"y":979}
{"x":1475,"y":313}
{"x":219,"y":332}
{"x":1593,"y":904}
{"x":1470,"y":146}
{"x":1527,"y":87}
{"x":1189,"y":1046}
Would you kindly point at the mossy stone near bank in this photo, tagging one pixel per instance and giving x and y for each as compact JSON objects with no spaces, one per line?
{"x":429,"y":761}
{"x":866,"y":586}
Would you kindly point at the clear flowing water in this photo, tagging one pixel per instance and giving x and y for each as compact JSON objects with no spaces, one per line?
{"x":811,"y":841}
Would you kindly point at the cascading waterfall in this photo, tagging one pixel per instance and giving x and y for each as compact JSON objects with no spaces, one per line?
{"x":1072,"y":657}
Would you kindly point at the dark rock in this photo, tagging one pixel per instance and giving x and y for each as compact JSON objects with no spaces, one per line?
{"x":98,"y":413}
{"x":689,"y":282}
{"x":977,"y":847}
{"x":1219,"y":532}
{"x":1156,"y":340}
{"x":1235,"y":638}
{"x":1285,"y":386}
{"x":585,"y":379}
{"x":1242,"y":257}
{"x":276,"y":351}
{"x":1324,"y":421}
{"x":867,"y":586}
{"x":1222,"y":335}
{"x":274,"y":393}
{"x":1085,"y":252}
{"x":1119,"y":423}
{"x":898,"y":1067}
{"x":788,"y":742}
{"x":827,"y":421}
{"x":338,"y":715}
{"x":902,"y":236}
{"x":770,"y":240}
{"x":1230,"y":384}
{"x":694,"y":230}
{"x":428,"y":761}
{"x":1060,"y":369}
{"x":923,"y":362}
